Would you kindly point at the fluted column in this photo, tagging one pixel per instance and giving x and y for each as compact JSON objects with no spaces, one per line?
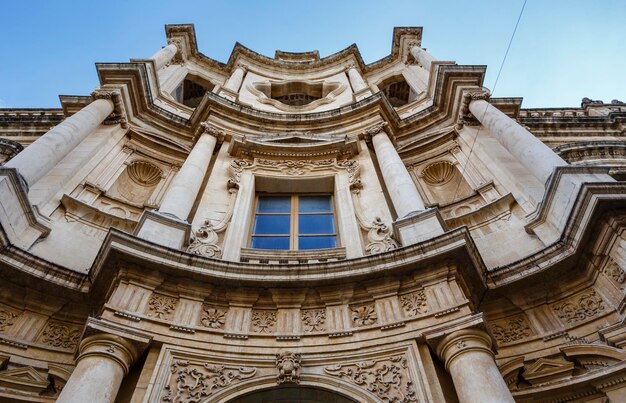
{"x":356,"y":80}
{"x":424,"y":58}
{"x":468,"y":357}
{"x":537,"y":157}
{"x":236,"y":78}
{"x":164,"y":55}
{"x":184,"y":189}
{"x":400,"y":186}
{"x":43,"y":154}
{"x":102,"y":363}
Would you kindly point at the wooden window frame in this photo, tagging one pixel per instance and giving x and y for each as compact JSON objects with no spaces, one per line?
{"x":294,"y":215}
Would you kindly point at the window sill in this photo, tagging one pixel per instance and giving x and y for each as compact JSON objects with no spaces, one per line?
{"x":267,"y":256}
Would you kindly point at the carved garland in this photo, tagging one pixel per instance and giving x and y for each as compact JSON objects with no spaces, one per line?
{"x":511,"y":330}
{"x":194,"y":382}
{"x":387,"y":378}
{"x":57,"y":334}
{"x":581,"y":307}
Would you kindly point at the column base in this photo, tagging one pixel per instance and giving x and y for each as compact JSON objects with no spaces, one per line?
{"x":164,"y":230}
{"x":364,"y":93}
{"x":21,"y":221}
{"x":419,"y":226}
{"x":228,"y":94}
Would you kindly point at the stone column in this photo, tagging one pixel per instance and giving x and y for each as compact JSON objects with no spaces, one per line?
{"x":357,"y":82}
{"x":42,"y":155}
{"x":236,"y":78}
{"x":424,"y":58}
{"x":400,"y":186}
{"x":184,"y":189}
{"x":164,"y":55}
{"x":537,"y":157}
{"x":468,"y":357}
{"x":102,"y":363}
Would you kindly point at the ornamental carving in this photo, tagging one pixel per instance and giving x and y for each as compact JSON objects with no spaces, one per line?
{"x":379,"y":234}
{"x":57,"y":334}
{"x":213,"y":131}
{"x":263,"y":321}
{"x":414,"y":303}
{"x":161,"y":306}
{"x":213,"y":317}
{"x":364,"y":315}
{"x":580,"y":307}
{"x":288,"y":365}
{"x":236,"y":168}
{"x":511,"y":330}
{"x":295,"y":167}
{"x":387,"y":378}
{"x":6,"y":318}
{"x":314,"y":320}
{"x":194,"y":382}
{"x":615,"y":272}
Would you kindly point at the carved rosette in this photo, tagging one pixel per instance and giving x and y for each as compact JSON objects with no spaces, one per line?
{"x":583,"y":306}
{"x":161,"y":306}
{"x":314,"y":320}
{"x":57,"y":334}
{"x":387,"y":378}
{"x":197,"y":381}
{"x":263,"y":321}
{"x":213,"y":317}
{"x":288,"y":365}
{"x":364,"y":315}
{"x":414,"y":303}
{"x":510,"y":330}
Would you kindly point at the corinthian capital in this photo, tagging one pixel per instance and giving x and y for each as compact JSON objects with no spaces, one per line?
{"x":212,"y":130}
{"x":374,"y":130}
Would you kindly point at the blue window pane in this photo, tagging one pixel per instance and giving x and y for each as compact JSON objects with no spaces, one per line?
{"x":272,"y":224}
{"x":314,"y":204}
{"x":317,"y":242}
{"x":270,"y":242}
{"x":273,"y":204}
{"x":316,"y":224}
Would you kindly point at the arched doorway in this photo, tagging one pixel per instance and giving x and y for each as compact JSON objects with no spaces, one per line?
{"x":292,"y":394}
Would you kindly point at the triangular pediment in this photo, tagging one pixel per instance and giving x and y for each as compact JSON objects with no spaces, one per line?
{"x":546,"y":370}
{"x":26,"y":379}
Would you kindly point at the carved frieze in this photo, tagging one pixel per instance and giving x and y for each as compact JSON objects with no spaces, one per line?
{"x":583,"y":306}
{"x":197,"y":381}
{"x":364,"y":315}
{"x":161,"y":306}
{"x":7,"y":318}
{"x":314,"y":320}
{"x":295,"y":167}
{"x":387,"y":378}
{"x":510,"y":330}
{"x":57,"y":334}
{"x":288,"y":365}
{"x":615,"y":272}
{"x":414,"y":303}
{"x":213,"y":317}
{"x":263,"y":321}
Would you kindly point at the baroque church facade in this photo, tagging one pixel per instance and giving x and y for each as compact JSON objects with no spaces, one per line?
{"x":310,"y":229}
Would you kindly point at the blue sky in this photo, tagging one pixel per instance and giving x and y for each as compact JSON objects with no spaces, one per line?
{"x":563,"y":50}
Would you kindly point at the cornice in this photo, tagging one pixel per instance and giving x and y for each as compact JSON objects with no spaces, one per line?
{"x":351,"y":53}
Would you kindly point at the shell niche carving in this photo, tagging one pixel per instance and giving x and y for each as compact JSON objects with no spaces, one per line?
{"x":144,"y":173}
{"x":438,"y":173}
